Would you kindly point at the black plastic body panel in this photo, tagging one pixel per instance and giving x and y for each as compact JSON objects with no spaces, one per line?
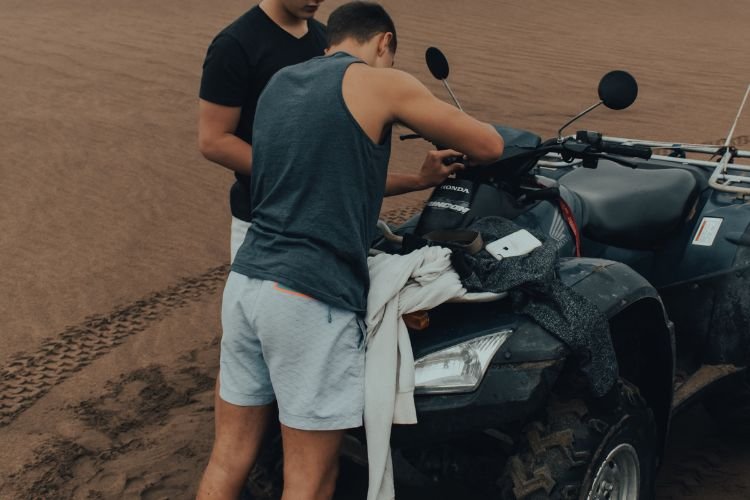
{"x":676,"y":259}
{"x":508,"y":395}
{"x":526,"y":367}
{"x":712,"y":315}
{"x":705,"y":287}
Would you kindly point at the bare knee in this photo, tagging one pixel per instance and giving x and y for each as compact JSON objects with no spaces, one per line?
{"x":318,"y":483}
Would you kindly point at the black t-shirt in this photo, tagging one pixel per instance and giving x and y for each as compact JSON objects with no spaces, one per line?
{"x":239,"y":63}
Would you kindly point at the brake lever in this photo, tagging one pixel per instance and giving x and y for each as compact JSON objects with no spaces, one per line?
{"x":406,"y":137}
{"x":617,"y":159}
{"x":574,"y":149}
{"x":450,"y":160}
{"x":584,"y":151}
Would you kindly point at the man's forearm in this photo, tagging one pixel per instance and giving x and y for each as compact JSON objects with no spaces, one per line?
{"x":231,"y":152}
{"x":403,"y":183}
{"x":432,"y":173}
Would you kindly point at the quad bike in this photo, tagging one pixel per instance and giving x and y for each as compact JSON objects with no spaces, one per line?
{"x":682,"y":223}
{"x":660,"y":244}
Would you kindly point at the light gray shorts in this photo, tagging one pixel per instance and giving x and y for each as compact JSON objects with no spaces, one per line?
{"x":283,"y":345}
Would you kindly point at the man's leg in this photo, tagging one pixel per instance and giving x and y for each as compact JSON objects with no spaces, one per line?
{"x":311,"y":463}
{"x":239,"y":431}
{"x":244,"y":395}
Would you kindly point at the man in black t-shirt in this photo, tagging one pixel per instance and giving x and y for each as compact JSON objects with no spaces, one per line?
{"x":239,"y":63}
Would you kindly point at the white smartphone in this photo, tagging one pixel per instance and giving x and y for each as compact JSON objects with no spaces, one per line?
{"x":519,"y":243}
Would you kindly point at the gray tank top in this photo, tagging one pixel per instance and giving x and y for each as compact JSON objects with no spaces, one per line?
{"x":317,"y":187}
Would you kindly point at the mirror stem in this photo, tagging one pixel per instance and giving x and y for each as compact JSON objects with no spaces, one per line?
{"x":559,"y":132}
{"x":453,"y":96}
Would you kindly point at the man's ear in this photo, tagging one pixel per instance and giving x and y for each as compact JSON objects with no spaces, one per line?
{"x":384,"y":43}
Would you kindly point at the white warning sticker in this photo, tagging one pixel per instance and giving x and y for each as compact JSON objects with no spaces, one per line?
{"x":707,"y":231}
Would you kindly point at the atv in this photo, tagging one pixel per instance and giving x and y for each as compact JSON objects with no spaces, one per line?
{"x":658,"y":243}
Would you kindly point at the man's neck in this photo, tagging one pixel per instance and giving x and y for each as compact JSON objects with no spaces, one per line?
{"x":275,"y":10}
{"x":353,"y":49}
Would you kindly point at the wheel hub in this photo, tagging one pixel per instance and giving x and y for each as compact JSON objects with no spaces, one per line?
{"x":619,"y":477}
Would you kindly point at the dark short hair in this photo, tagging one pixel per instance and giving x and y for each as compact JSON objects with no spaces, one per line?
{"x":361,"y":21}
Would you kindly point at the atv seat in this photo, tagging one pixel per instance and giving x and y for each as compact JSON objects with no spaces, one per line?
{"x":632,"y":208}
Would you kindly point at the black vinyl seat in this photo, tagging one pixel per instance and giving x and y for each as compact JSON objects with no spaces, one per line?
{"x":632,"y":208}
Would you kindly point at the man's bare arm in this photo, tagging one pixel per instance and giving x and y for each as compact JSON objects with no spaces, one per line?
{"x":432,"y":173}
{"x":216,"y":139}
{"x":416,"y":107}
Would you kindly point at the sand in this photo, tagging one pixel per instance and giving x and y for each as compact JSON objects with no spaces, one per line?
{"x":114,"y":230}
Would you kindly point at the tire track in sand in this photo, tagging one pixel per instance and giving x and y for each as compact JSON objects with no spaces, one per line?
{"x":29,"y":376}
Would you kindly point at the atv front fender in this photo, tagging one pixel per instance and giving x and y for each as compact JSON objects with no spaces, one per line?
{"x":526,"y":367}
{"x":642,"y":334}
{"x":611,"y":286}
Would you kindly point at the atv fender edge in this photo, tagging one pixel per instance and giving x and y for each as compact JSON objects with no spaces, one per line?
{"x":642,"y":334}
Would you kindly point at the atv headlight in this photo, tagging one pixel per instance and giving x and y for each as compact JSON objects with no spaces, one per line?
{"x":459,"y":368}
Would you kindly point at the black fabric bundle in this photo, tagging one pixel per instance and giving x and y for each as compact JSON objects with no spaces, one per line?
{"x":536,"y":290}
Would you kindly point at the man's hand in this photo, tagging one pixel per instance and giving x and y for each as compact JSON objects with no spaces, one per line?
{"x":434,"y":171}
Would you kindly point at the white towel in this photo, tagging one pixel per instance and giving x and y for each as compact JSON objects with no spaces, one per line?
{"x":399,"y":284}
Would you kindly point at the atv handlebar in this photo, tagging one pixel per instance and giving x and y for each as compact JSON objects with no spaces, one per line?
{"x":590,"y":147}
{"x":594,"y":139}
{"x":586,"y":145}
{"x":623,"y":150}
{"x":571,"y":149}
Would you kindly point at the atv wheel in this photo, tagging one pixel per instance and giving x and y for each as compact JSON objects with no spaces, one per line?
{"x":580,"y":451}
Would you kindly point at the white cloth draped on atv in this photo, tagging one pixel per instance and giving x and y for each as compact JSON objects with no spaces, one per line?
{"x":536,"y":290}
{"x":399,"y":284}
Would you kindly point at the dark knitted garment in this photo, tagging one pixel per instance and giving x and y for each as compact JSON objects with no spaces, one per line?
{"x":536,"y":290}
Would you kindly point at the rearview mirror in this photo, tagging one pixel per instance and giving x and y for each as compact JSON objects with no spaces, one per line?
{"x":618,"y":89}
{"x":437,"y":63}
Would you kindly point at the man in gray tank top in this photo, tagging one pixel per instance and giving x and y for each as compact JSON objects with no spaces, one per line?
{"x":294,"y":301}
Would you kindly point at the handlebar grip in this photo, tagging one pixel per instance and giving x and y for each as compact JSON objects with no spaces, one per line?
{"x":450,"y":160}
{"x":623,"y":150}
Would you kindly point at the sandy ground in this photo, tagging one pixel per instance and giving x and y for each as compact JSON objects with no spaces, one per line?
{"x":114,"y":231}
